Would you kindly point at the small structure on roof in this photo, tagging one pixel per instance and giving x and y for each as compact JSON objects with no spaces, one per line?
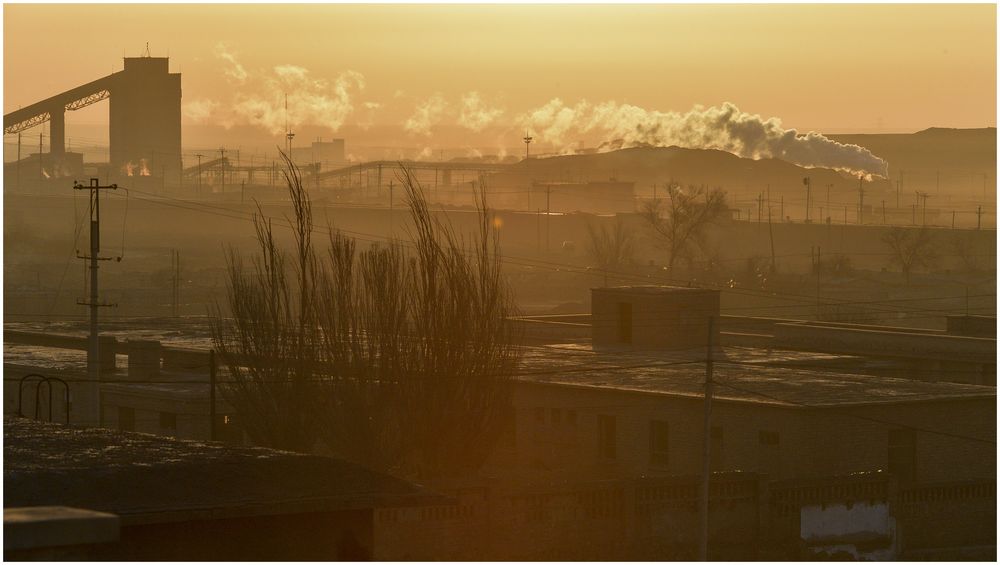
{"x":653,"y":317}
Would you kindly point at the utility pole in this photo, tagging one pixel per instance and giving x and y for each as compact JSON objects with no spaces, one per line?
{"x":806,"y":181}
{"x":548,"y":217}
{"x":211,"y":395}
{"x":883,"y":212}
{"x":770,"y":232}
{"x":199,"y":156}
{"x":19,"y":164}
{"x":93,"y":351}
{"x":828,"y":209}
{"x":782,"y":207}
{"x":979,"y":217}
{"x":706,"y":462}
{"x":819,"y":269}
{"x":527,"y":141}
{"x":391,"y":231}
{"x":175,"y":269}
{"x":41,"y":171}
{"x":222,"y":163}
{"x":760,"y":208}
{"x":861,"y":199}
{"x":924,"y":196}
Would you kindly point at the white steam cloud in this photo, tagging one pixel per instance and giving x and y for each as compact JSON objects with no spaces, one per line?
{"x":427,"y":114}
{"x":259,"y":98}
{"x":233,"y":69}
{"x":474,"y":114}
{"x":723,"y":127}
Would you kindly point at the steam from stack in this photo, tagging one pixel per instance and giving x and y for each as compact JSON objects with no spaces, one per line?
{"x":724,"y":127}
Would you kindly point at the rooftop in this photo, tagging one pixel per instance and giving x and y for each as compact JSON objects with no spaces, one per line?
{"x":145,"y":478}
{"x":742,"y":374}
{"x":653,"y":289}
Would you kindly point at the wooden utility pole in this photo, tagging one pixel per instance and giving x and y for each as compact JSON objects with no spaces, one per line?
{"x":706,"y":462}
{"x":199,"y":156}
{"x":222,"y":164}
{"x":93,"y":351}
{"x":808,"y":182}
{"x":175,"y":274}
{"x":861,"y":199}
{"x":211,"y":395}
{"x":770,"y":229}
{"x":819,"y":270}
{"x":548,"y":216}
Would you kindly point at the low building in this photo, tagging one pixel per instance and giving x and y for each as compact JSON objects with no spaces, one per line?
{"x":185,"y":500}
{"x":587,"y":414}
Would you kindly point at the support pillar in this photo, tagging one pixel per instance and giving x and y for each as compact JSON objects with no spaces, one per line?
{"x":57,"y":131}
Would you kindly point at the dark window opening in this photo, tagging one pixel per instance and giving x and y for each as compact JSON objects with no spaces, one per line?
{"x":624,"y":322}
{"x":903,"y":454}
{"x":607,"y":437}
{"x":126,"y":419}
{"x":540,"y":415}
{"x":659,"y":442}
{"x":168,"y":421}
{"x":556,"y":416}
{"x":769,"y":438}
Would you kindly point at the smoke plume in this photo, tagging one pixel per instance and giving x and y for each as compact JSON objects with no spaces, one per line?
{"x":258,"y":98}
{"x":428,"y":113}
{"x":723,"y":127}
{"x":474,"y":114}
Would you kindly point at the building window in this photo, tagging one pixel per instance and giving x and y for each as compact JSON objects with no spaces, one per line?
{"x":607,"y":437}
{"x":903,"y":454}
{"x":768,"y":438}
{"x":624,"y":322}
{"x":556,"y":416}
{"x":571,"y":417}
{"x":168,"y":421}
{"x":659,"y":442}
{"x":126,"y":419}
{"x":540,"y":415}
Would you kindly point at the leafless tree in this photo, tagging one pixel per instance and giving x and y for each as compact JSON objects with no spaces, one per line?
{"x":910,"y":249}
{"x":680,"y":223}
{"x":967,"y":247}
{"x":403,"y":351}
{"x":611,"y":248}
{"x":265,"y":341}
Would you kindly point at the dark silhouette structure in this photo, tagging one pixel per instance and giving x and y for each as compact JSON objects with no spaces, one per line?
{"x":145,"y":116}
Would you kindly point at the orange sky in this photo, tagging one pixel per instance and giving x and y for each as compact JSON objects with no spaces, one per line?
{"x":825,"y":67}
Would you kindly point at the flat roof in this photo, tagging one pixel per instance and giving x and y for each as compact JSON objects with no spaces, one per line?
{"x":743,"y":374}
{"x":145,"y":478}
{"x":652,"y":289}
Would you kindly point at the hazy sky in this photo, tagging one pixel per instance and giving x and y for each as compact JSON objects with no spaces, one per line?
{"x":825,"y":67}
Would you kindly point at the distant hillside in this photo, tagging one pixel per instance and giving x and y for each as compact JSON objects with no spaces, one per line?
{"x":954,"y":159}
{"x":960,"y":156}
{"x":742,"y":178}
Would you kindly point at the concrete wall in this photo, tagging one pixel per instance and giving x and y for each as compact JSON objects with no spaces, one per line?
{"x":662,"y":318}
{"x":557,"y":435}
